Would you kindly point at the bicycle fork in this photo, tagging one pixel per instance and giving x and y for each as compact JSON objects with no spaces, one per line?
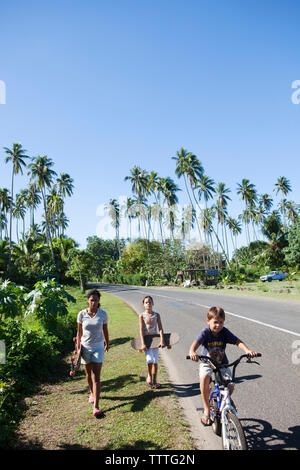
{"x":225,"y":407}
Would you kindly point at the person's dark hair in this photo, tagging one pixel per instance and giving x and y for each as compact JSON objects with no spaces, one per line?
{"x":214,"y":312}
{"x":93,"y":292}
{"x":147,"y":297}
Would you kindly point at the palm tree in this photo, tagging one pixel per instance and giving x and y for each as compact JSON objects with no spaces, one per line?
{"x":169,"y":190}
{"x":5,"y":204}
{"x":139,"y":181}
{"x":32,"y":201}
{"x":113,"y":208}
{"x":283,"y":185}
{"x":206,"y":188}
{"x":235,"y":229}
{"x":55,"y":206}
{"x":190,"y":168}
{"x":65,"y":185}
{"x":292,"y":211}
{"x":19,"y":210}
{"x":266,"y":202}
{"x":42,"y":174}
{"x":129,"y":213}
{"x":17,"y":157}
{"x":248,"y":194}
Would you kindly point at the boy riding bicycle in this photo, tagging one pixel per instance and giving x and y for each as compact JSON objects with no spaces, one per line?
{"x":213,"y":339}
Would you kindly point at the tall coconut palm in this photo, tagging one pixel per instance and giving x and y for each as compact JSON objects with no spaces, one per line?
{"x":190,"y":168}
{"x":113,"y":208}
{"x":42,"y":174}
{"x":293,"y":212}
{"x":55,"y":206}
{"x":266,"y":202}
{"x":130,"y":213}
{"x":248,"y":194}
{"x":169,"y":190}
{"x":19,"y":210}
{"x":32,"y":201}
{"x":235,"y":229}
{"x":17,"y":157}
{"x":139,"y":181}
{"x":283,"y":185}
{"x":5,"y":204}
{"x":65,"y":185}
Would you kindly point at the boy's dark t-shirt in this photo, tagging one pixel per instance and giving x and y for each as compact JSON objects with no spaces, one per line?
{"x":214,"y":345}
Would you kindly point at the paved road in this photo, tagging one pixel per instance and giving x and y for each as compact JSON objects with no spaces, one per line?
{"x":267,"y":396}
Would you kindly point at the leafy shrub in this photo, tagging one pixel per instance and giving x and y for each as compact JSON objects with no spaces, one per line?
{"x":12,"y":300}
{"x":48,"y":301}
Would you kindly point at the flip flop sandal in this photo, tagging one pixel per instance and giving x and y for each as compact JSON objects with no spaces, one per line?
{"x":150,"y":384}
{"x":208,"y":420}
{"x":97,"y":412}
{"x":156,"y":385}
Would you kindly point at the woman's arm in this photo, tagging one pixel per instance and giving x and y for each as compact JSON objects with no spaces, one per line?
{"x":79,"y":335}
{"x":106,"y":336}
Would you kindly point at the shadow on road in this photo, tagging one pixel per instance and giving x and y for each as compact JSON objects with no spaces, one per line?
{"x":261,"y":435}
{"x":109,"y":287}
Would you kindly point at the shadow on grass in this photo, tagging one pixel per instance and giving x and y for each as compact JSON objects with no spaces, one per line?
{"x":119,"y":341}
{"x":137,"y":445}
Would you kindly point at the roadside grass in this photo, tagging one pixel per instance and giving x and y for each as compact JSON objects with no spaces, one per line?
{"x":135,"y":417}
{"x":285,"y":290}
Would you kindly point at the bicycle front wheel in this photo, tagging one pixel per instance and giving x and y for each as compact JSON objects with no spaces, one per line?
{"x":233,"y":438}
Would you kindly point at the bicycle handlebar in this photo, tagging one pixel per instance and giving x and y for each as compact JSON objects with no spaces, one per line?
{"x":217,"y":366}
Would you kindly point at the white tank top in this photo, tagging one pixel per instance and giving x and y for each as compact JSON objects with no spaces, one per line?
{"x":150,"y":323}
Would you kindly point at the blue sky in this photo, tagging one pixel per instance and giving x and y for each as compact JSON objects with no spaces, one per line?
{"x":101,"y":86}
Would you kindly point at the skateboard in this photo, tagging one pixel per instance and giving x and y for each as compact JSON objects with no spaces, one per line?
{"x":75,"y":363}
{"x":153,"y":341}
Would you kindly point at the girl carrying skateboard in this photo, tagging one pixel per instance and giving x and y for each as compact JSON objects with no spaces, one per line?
{"x":150,"y":323}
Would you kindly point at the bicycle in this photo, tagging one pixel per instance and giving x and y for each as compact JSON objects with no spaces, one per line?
{"x":223,"y":412}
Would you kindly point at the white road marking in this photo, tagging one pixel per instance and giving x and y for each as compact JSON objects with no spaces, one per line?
{"x":234,"y":315}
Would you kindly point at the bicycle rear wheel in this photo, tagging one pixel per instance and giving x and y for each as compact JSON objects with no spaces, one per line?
{"x":234,"y":437}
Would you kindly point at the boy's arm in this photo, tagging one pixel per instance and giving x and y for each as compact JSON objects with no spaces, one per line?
{"x":161,"y":332}
{"x":141,"y":321}
{"x":195,"y":345}
{"x":245,"y":348}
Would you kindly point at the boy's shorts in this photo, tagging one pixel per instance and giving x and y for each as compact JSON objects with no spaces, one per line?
{"x":206,"y":369}
{"x":152,"y":356}
{"x":92,"y":355}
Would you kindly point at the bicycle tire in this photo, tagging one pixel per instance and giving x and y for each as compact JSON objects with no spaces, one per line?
{"x":215,"y":417}
{"x":235,"y":434}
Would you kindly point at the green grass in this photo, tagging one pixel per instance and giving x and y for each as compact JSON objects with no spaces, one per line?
{"x":285,"y":290}
{"x":60,"y":417}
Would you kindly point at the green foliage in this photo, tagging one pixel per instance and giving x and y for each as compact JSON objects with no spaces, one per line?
{"x":292,"y":252}
{"x":102,"y":252}
{"x":47,"y":301}
{"x":80,"y":266}
{"x":12,"y":300}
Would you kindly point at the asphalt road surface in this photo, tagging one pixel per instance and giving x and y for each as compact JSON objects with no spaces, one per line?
{"x":267,"y":395}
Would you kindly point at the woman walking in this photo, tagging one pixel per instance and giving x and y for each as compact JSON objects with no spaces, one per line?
{"x":92,"y":335}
